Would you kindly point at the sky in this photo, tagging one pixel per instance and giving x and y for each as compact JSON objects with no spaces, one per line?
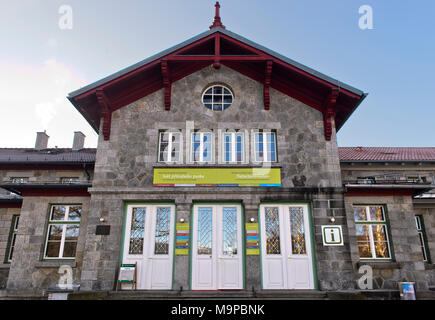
{"x":41,"y":61}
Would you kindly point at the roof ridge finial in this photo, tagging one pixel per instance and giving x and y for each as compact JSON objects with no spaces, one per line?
{"x":217,"y":19}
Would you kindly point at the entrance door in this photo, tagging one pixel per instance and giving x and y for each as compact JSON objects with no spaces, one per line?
{"x":217,"y":247}
{"x":286,"y":247}
{"x":149,"y":239}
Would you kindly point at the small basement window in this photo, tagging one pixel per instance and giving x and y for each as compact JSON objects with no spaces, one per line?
{"x":217,"y":97}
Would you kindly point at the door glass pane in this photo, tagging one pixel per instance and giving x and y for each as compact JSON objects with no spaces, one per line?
{"x":297,"y":230}
{"x":229,"y":245}
{"x":161,"y":245}
{"x":137,"y":231}
{"x":205,"y":228}
{"x":363,"y":240}
{"x":272,"y":231}
{"x":380,"y":241}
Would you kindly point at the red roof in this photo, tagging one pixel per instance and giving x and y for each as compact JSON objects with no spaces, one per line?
{"x":386,"y":154}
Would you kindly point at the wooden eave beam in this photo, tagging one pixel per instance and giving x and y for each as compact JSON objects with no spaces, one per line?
{"x":266,"y":86}
{"x":106,"y":112}
{"x":166,"y":84}
{"x":329,"y":111}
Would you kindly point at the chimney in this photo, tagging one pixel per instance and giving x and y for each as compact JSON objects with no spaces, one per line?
{"x":79,"y":141}
{"x":41,"y":140}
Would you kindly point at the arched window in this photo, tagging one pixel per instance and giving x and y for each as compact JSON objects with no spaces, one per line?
{"x":217,"y":97}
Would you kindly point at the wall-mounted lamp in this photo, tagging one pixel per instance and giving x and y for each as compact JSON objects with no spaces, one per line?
{"x":332,"y":219}
{"x":181,"y":220}
{"x":252,"y":220}
{"x":101,"y":219}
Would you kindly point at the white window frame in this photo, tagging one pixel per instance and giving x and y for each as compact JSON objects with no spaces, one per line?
{"x":233,"y":151}
{"x":169,"y":148}
{"x":370,"y":223}
{"x":13,"y":237}
{"x":63,"y":223}
{"x":213,"y":103}
{"x":265,"y":146}
{"x":421,"y":234}
{"x":201,"y":146}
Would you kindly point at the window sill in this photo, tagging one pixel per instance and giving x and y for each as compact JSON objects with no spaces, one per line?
{"x":380,"y":264}
{"x":55,"y":263}
{"x":5,"y":265}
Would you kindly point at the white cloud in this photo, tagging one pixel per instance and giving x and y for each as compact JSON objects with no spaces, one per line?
{"x":33,"y":98}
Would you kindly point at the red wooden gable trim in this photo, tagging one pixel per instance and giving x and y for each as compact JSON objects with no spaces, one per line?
{"x":98,"y":104}
{"x":267,"y":80}
{"x":166,"y":84}
{"x":11,"y":204}
{"x":54,"y":192}
{"x":378,"y":192}
{"x":329,"y":113}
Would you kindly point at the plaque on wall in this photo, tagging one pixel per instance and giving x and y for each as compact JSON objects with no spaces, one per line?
{"x":252,"y":239}
{"x":102,"y":230}
{"x":182,"y":239}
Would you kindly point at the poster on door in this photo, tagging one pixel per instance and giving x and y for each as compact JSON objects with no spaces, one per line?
{"x":182,"y":239}
{"x":252,"y":239}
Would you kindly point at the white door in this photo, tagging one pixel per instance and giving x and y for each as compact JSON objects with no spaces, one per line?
{"x":149,"y":239}
{"x":286,"y":247}
{"x":217,"y":247}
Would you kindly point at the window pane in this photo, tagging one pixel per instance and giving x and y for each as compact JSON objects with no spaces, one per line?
{"x":217,"y":90}
{"x":205,"y":230}
{"x":58,"y":213}
{"x":297,"y":230}
{"x":229,"y":245}
{"x":164,"y":142}
{"x":72,"y":232}
{"x":207,"y":147}
{"x":377,"y":213}
{"x":75,"y":213}
{"x":161,"y":243}
{"x":55,"y":233}
{"x":363,"y":241}
{"x":53,"y":249}
{"x":137,"y":231}
{"x":272,"y":231}
{"x":69,"y":249}
{"x":380,"y":241}
{"x":360,"y":213}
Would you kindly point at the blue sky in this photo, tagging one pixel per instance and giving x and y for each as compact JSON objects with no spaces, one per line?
{"x":394,"y":62}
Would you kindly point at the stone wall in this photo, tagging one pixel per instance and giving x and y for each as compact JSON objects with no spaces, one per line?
{"x":29,"y":273}
{"x":127,"y":159}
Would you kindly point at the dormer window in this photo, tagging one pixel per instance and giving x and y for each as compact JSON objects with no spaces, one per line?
{"x":217,"y":97}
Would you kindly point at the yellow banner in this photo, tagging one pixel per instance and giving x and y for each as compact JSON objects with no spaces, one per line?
{"x":220,"y":177}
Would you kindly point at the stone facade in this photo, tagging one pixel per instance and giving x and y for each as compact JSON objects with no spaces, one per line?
{"x":310,"y":172}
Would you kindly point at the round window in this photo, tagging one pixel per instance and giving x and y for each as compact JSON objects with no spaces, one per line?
{"x":217,"y":97}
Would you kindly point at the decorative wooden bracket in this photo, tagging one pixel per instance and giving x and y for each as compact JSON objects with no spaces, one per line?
{"x":106,"y":112}
{"x":266,"y":88}
{"x":217,"y":52}
{"x":166,"y":84}
{"x":328,"y":112}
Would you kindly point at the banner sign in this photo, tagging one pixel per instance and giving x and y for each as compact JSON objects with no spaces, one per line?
{"x":252,"y":239}
{"x":182,"y":239}
{"x":217,"y":177}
